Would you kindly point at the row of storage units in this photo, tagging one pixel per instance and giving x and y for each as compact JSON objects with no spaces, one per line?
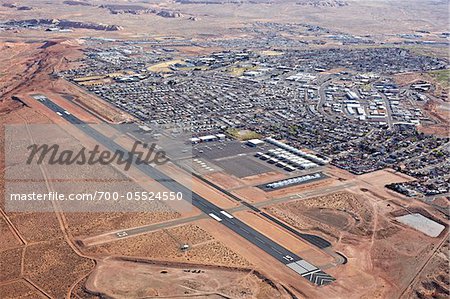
{"x":297,"y":152}
{"x":293,"y":181}
{"x":285,"y":160}
{"x":292,"y":159}
{"x":207,"y":138}
{"x":272,"y":159}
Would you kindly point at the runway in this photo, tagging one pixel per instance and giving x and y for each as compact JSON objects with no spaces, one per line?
{"x":291,"y":260}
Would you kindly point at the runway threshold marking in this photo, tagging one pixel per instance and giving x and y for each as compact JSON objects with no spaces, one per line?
{"x":214,"y":216}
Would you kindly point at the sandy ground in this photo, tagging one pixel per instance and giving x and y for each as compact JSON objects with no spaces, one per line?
{"x":224,"y":180}
{"x":381,"y":178}
{"x":252,"y":194}
{"x":166,"y":245}
{"x":438,"y":110}
{"x":19,"y":289}
{"x":136,"y":279}
{"x":433,"y":280}
{"x":383,"y":255}
{"x":264,"y":177}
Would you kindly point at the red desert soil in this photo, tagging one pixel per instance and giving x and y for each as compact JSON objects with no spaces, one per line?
{"x":128,"y":278}
{"x":433,"y":281}
{"x":383,"y":255}
{"x":43,"y":261}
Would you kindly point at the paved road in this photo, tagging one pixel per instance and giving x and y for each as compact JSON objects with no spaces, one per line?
{"x":322,"y":96}
{"x":291,"y":260}
{"x":389,"y":117}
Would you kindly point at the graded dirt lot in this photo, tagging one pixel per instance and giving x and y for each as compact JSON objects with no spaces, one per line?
{"x":342,"y":211}
{"x":440,"y":110}
{"x":137,"y":279}
{"x":381,"y":178}
{"x":224,"y":180}
{"x":264,"y":177}
{"x":379,"y":249}
{"x":251,"y":194}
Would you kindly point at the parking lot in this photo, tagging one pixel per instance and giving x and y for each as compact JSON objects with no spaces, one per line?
{"x":225,"y":148}
{"x":243,"y":166}
{"x":236,"y":158}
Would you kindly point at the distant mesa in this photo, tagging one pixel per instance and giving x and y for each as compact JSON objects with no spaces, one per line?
{"x":129,"y":9}
{"x":208,"y":1}
{"x":323,"y":3}
{"x":64,"y":24}
{"x":138,"y":10}
{"x":14,"y":5}
{"x":169,"y":14}
{"x":24,"y":8}
{"x":224,"y":1}
{"x":74,"y":2}
{"x":9,"y":5}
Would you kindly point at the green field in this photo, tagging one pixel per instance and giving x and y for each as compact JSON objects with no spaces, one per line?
{"x":441,"y":76}
{"x":242,"y":134}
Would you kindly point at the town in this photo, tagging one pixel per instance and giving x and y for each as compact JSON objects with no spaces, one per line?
{"x":340,"y":103}
{"x":224,"y":149}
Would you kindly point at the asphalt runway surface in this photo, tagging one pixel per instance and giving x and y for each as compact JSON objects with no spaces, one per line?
{"x":291,"y":260}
